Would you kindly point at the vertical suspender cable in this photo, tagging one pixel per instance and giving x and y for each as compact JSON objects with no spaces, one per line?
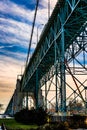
{"x":37,"y":3}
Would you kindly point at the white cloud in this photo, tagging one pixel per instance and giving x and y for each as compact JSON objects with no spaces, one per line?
{"x":52,"y":3}
{"x":15,"y":28}
{"x":18,"y":32}
{"x":11,"y":8}
{"x":9,"y":69}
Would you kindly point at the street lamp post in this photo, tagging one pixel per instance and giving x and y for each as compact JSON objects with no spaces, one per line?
{"x":37,"y":30}
{"x":48,"y":9}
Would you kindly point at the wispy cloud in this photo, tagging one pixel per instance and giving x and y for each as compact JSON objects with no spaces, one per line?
{"x":16,"y":18}
{"x":14,"y":32}
{"x":9,"y":69}
{"x":15,"y":11}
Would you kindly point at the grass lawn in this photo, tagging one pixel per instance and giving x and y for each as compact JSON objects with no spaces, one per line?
{"x":12,"y":124}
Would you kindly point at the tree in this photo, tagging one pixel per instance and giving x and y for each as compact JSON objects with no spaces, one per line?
{"x":75,"y":106}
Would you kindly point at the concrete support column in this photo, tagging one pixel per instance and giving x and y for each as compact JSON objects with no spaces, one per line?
{"x":26,"y":100}
{"x":85,"y":100}
{"x":37,"y":88}
{"x":45,"y":94}
{"x":40,"y":98}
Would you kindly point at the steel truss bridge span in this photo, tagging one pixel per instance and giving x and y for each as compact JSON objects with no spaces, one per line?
{"x":64,"y":37}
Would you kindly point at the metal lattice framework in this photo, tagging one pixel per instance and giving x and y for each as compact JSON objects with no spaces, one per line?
{"x":61,"y":53}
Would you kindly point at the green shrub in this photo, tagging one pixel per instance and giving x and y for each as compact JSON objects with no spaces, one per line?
{"x":78,"y":121}
{"x":56,"y":126}
{"x":40,"y":116}
{"x":31,"y":116}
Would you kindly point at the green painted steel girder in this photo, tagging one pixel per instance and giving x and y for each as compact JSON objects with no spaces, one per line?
{"x":43,"y":57}
{"x":68,"y":20}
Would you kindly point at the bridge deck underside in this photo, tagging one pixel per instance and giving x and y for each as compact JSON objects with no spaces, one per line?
{"x":75,"y":21}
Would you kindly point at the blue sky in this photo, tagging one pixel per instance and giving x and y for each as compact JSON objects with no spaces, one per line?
{"x":16,"y":17}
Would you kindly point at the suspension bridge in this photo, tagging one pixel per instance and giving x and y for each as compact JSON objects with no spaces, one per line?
{"x":59,"y":62}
